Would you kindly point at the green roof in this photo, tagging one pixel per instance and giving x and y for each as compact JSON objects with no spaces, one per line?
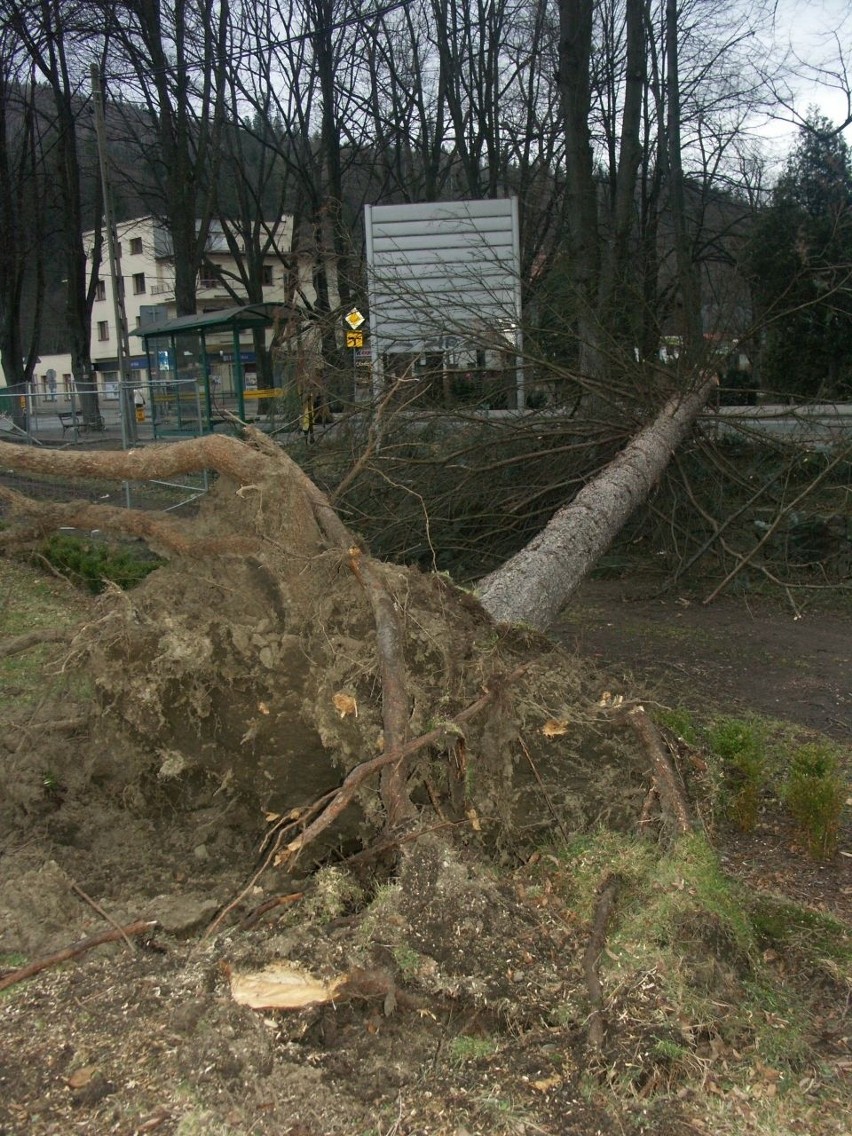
{"x":248,"y":315}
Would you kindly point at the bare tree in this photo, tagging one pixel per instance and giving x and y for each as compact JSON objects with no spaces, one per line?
{"x":22,"y":206}
{"x":53,"y":38}
{"x":172,"y":57}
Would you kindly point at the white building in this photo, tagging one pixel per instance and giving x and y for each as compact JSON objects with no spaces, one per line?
{"x":146,"y":267}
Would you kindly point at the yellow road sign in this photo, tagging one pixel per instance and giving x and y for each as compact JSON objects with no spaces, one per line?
{"x":354,"y":339}
{"x":354,"y":319}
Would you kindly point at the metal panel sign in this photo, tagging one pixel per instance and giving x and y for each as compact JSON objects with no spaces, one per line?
{"x":443,"y":270}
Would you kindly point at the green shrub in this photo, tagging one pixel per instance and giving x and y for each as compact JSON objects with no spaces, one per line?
{"x":90,"y":564}
{"x":741,"y":747}
{"x":814,"y":794}
{"x":681,"y":723}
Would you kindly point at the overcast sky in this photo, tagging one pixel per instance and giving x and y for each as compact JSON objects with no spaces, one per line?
{"x":819,"y":33}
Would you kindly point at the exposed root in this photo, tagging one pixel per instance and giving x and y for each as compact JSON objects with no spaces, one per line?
{"x":22,"y":643}
{"x":324,"y":811}
{"x":76,"y":949}
{"x":162,"y":534}
{"x":273,"y":904}
{"x":591,"y":956}
{"x":328,"y":808}
{"x":396,"y":703}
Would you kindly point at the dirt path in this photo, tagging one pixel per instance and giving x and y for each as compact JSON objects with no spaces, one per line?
{"x":731,"y":655}
{"x":738,"y":658}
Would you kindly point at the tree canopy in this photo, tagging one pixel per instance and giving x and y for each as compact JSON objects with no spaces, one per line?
{"x":801,"y":265}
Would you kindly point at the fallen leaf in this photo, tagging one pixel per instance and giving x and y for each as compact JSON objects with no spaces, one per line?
{"x":555,"y":727}
{"x":81,"y":1077}
{"x":474,"y":820}
{"x":282,"y":987}
{"x":345,"y":705}
{"x":263,"y":708}
{"x":547,"y":1084}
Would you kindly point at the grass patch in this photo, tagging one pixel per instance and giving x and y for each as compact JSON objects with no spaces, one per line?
{"x":465,"y":1048}
{"x":814,"y":793}
{"x":684,"y":956}
{"x":12,"y":961}
{"x":681,"y":723}
{"x":32,"y":601}
{"x":824,"y":942}
{"x":740,"y":745}
{"x":92,"y":564}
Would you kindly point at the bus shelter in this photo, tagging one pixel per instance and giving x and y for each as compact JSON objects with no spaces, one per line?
{"x":201,"y":366}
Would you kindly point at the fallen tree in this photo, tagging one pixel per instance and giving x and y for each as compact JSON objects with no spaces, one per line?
{"x":274,"y":656}
{"x":535,"y":584}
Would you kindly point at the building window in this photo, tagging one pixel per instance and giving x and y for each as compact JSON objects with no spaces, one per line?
{"x":266,"y":275}
{"x":138,"y":283}
{"x":110,"y":385}
{"x":100,"y":290}
{"x":103,"y":331}
{"x":136,"y":246}
{"x":208,"y":277}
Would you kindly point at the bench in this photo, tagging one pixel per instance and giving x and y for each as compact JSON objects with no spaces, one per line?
{"x":73,"y":420}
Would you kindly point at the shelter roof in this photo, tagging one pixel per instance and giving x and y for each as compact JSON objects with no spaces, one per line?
{"x":245,"y":316}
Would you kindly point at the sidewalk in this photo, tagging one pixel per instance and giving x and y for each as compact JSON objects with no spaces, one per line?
{"x":46,"y":427}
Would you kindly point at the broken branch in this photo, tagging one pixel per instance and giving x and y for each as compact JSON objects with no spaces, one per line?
{"x":591,"y":956}
{"x":670,"y":791}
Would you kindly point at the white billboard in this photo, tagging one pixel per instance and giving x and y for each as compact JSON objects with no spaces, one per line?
{"x":441,"y":272}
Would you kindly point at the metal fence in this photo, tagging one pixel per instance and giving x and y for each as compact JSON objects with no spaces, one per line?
{"x":55,"y":420}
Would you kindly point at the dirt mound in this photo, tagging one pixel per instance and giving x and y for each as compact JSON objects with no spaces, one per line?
{"x":243,"y":681}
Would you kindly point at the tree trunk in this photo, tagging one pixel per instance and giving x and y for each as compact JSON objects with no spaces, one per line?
{"x":575,"y":50}
{"x":535,"y":584}
{"x":686,"y":273}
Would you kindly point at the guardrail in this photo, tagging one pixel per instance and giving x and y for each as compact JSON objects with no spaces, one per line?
{"x":813,"y":425}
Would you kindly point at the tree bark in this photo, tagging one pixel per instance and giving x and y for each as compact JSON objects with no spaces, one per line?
{"x":535,"y":584}
{"x":581,"y":193}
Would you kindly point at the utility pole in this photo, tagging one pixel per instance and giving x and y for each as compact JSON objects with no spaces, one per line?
{"x":122,"y":351}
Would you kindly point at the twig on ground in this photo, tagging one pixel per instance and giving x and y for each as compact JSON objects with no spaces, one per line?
{"x":76,"y":949}
{"x":597,"y":939}
{"x":103,"y":914}
{"x":277,"y":901}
